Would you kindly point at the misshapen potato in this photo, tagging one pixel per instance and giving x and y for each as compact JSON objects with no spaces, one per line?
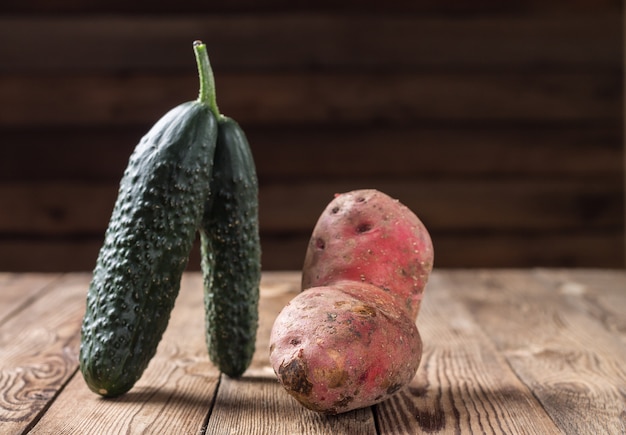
{"x":344,"y":347}
{"x":367,"y":236}
{"x":349,"y":339}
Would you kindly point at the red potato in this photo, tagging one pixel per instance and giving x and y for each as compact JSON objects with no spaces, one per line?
{"x":367,"y":236}
{"x":344,"y":347}
{"x":349,"y":340}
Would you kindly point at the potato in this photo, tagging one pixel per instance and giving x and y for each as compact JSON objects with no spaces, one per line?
{"x":349,"y":339}
{"x":344,"y":346}
{"x":367,"y":236}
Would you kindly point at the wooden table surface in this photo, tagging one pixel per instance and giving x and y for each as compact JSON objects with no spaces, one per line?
{"x":505,"y":351}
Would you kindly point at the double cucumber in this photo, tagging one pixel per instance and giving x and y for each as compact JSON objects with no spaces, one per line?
{"x":193,"y":171}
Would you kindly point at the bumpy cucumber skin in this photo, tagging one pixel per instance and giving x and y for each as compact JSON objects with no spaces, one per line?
{"x":231,"y":253}
{"x":146,"y":248}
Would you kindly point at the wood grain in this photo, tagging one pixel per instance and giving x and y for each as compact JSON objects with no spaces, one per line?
{"x":18,"y":291}
{"x":174,"y":395}
{"x":242,"y":404}
{"x":464,"y":385}
{"x":598,"y":293}
{"x":570,"y":363}
{"x":257,"y":397}
{"x":277,"y":289}
{"x":39,"y":347}
{"x":505,"y":351}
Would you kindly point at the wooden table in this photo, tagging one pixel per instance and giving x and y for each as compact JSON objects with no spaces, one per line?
{"x":505,"y":351}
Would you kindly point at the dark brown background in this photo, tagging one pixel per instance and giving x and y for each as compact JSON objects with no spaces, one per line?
{"x":498,"y":123}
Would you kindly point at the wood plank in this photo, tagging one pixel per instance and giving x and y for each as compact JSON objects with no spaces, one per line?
{"x":598,"y":293}
{"x":551,"y":249}
{"x":48,"y":256}
{"x":497,"y":250}
{"x":39,"y":353}
{"x":347,"y":6}
{"x":47,"y":207}
{"x":463,"y":385}
{"x":21,"y":290}
{"x":510,"y":205}
{"x":320,"y":40}
{"x":174,"y":394}
{"x":509,"y":351}
{"x":565,"y":356}
{"x":286,"y":252}
{"x":268,"y":407}
{"x":494,"y":249}
{"x":320,"y":151}
{"x":313,"y":98}
{"x":447,"y":151}
{"x":277,"y":289}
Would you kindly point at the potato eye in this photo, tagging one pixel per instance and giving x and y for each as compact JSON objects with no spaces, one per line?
{"x":363,"y":228}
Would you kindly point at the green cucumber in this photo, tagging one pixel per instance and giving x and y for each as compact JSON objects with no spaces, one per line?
{"x":160,"y":204}
{"x":231,"y":251}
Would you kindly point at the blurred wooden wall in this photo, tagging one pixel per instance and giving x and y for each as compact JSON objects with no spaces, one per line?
{"x":498,"y":123}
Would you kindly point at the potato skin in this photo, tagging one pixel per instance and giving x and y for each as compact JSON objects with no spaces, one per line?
{"x":343,"y":347}
{"x":367,"y":236}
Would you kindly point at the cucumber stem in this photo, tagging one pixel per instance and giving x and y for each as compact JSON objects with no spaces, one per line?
{"x":207,"y":80}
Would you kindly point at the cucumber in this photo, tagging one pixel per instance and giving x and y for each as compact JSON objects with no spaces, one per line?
{"x":230,"y":248}
{"x":231,"y":253}
{"x":160,"y":205}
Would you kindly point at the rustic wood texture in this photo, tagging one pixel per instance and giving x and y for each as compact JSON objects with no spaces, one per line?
{"x":500,"y":124}
{"x":568,"y":350}
{"x":464,"y":385}
{"x":39,"y":345}
{"x":174,"y":394}
{"x":505,"y":351}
